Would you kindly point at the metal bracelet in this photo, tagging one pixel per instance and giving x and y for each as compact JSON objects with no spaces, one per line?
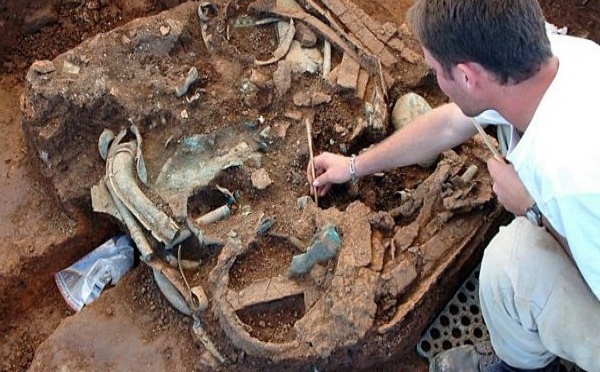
{"x":353,"y":177}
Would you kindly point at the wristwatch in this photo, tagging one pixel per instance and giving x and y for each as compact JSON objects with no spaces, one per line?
{"x":534,"y":215}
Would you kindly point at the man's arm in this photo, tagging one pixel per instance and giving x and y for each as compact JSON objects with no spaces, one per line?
{"x":428,"y":135}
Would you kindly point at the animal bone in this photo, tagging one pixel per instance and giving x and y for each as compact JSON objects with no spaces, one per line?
{"x":283,"y":47}
{"x":215,"y":215}
{"x":121,"y":181}
{"x":135,"y":231}
{"x":300,"y":14}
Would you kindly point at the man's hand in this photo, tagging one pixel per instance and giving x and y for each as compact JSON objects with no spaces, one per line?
{"x":508,"y":187}
{"x":329,"y":169}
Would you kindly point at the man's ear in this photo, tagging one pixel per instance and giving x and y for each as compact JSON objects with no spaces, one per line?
{"x":470,"y":74}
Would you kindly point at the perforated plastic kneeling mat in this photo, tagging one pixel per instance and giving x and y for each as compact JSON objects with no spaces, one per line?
{"x":461,"y":323}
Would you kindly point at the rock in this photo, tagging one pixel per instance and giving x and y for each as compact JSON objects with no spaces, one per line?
{"x":148,"y":43}
{"x":348,"y":73}
{"x":164,"y":30}
{"x":395,"y":281}
{"x":406,"y":235}
{"x":264,"y":290}
{"x":260,"y":179}
{"x":258,"y":78}
{"x":93,"y":5}
{"x":305,"y":99}
{"x":305,"y":36}
{"x":293,"y":115}
{"x":406,"y":109}
{"x":43,"y":67}
{"x":389,"y":30}
{"x":302,"y":99}
{"x":378,"y":251}
{"x":282,"y":77}
{"x":70,"y":68}
{"x":361,"y":85}
{"x":319,"y":98}
{"x":382,"y":220}
{"x":304,"y":59}
{"x":280,"y":129}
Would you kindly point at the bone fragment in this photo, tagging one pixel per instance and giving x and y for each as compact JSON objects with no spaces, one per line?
{"x":201,"y":299}
{"x":326,"y":59}
{"x":308,"y":124}
{"x":283,"y":47}
{"x":213,"y":216}
{"x":183,"y":235}
{"x":314,"y":22}
{"x":467,"y":177}
{"x":325,"y":13}
{"x":249,"y":21}
{"x":203,"y":11}
{"x":265,"y":290}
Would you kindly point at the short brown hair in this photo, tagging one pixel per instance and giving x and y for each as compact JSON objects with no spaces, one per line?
{"x":507,"y":37}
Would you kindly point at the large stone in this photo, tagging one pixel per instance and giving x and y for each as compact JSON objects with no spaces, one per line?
{"x":406,"y":109}
{"x":304,"y":59}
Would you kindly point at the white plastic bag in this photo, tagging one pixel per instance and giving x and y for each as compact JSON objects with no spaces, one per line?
{"x":82,"y":282}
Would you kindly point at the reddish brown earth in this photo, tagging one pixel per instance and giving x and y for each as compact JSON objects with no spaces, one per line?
{"x":38,"y":239}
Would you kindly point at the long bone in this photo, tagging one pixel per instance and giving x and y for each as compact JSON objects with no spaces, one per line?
{"x":335,"y":34}
{"x":121,"y":182}
{"x":283,"y":48}
{"x":135,"y":231}
{"x":300,"y":14}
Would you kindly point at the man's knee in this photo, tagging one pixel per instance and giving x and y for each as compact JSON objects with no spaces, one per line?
{"x":522,"y":259}
{"x":498,"y":256}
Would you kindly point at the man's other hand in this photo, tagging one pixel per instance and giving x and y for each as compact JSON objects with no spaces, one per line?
{"x":508,"y":187}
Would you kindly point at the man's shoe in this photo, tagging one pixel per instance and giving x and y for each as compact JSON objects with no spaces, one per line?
{"x":477,"y":358}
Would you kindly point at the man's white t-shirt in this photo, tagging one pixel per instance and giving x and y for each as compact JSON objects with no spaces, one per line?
{"x":558,"y":156}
